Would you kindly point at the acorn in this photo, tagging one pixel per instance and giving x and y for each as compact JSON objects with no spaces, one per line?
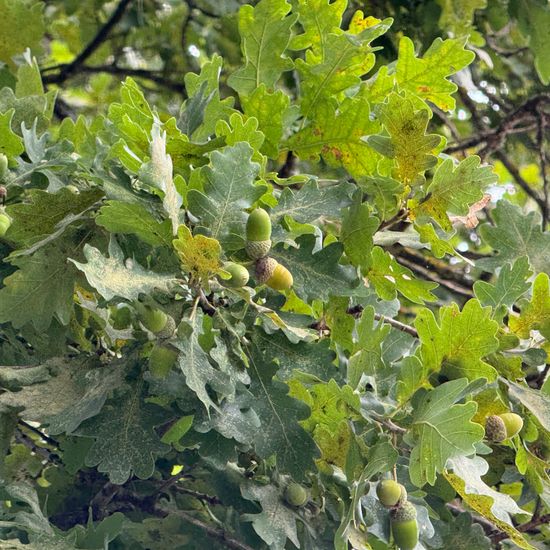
{"x":239,"y":275}
{"x":295,"y":494}
{"x":495,"y":428}
{"x":5,"y":223}
{"x":3,"y":166}
{"x":258,"y":234}
{"x":273,"y":274}
{"x":161,"y":360}
{"x":404,"y":526}
{"x":389,"y":492}
{"x":151,"y":318}
{"x":168,"y":330}
{"x":512,"y":422}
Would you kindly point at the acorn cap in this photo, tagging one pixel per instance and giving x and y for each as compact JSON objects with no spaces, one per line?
{"x":257,"y":249}
{"x":407,"y":512}
{"x":495,"y":429}
{"x":258,"y":226}
{"x":265,"y":267}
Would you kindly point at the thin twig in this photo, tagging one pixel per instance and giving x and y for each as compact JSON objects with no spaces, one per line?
{"x":214,"y":532}
{"x":95,"y":43}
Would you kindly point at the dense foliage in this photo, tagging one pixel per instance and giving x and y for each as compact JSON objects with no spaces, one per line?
{"x":164,"y":384}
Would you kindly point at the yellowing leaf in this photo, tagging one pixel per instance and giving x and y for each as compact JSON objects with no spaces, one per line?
{"x":408,"y":143}
{"x":199,"y":255}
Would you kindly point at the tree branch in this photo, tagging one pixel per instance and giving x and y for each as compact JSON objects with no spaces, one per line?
{"x":72,"y":67}
{"x":152,"y":76}
{"x":214,"y":532}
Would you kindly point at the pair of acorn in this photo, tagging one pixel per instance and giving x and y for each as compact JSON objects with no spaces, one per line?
{"x":499,"y":427}
{"x":257,"y":246}
{"x":404,"y":526}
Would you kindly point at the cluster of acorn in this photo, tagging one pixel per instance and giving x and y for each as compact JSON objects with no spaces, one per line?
{"x":404,"y":526}
{"x":257,"y":246}
{"x":499,"y":427}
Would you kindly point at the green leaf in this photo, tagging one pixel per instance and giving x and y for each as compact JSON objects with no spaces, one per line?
{"x":41,"y":289}
{"x":438,"y":246}
{"x":510,"y":285}
{"x":407,"y":143}
{"x":535,"y":401}
{"x":276,"y":523}
{"x":463,"y":534}
{"x":115,"y":277}
{"x":367,"y":357}
{"x":125,"y":439}
{"x":344,"y":59}
{"x":239,"y":128}
{"x":315,"y":359}
{"x":228,"y":190}
{"x":458,"y":20}
{"x":280,"y":434}
{"x":271,"y":110}
{"x":389,"y":277}
{"x":358,"y":228}
{"x":207,"y":82}
{"x":39,"y":217}
{"x":311,"y":202}
{"x":385,"y":193}
{"x":194,"y":362}
{"x":457,"y":345}
{"x":11,"y":144}
{"x":316,"y":275}
{"x":515,"y":234}
{"x":426,"y":77}
{"x":534,"y":19}
{"x":317,"y":18}
{"x":338,"y":137}
{"x":535,"y":314}
{"x":454,"y":189}
{"x":265,"y":34}
{"x":133,"y":219}
{"x":441,"y":430}
{"x":22,"y":27}
{"x":73,"y":393}
{"x":491,"y":504}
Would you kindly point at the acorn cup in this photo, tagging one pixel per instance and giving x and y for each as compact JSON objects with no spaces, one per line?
{"x":495,"y":429}
{"x":273,"y":274}
{"x":404,"y":526}
{"x":258,"y":234}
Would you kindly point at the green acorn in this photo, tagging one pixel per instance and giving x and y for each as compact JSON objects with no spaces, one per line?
{"x":258,"y":234}
{"x":161,"y":360}
{"x":239,"y":275}
{"x":404,"y":526}
{"x":389,"y":492}
{"x":168,"y":330}
{"x":273,"y":274}
{"x":3,"y":165}
{"x":513,"y":423}
{"x":295,"y":494}
{"x":495,"y":428}
{"x":152,"y":319}
{"x":5,"y":223}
